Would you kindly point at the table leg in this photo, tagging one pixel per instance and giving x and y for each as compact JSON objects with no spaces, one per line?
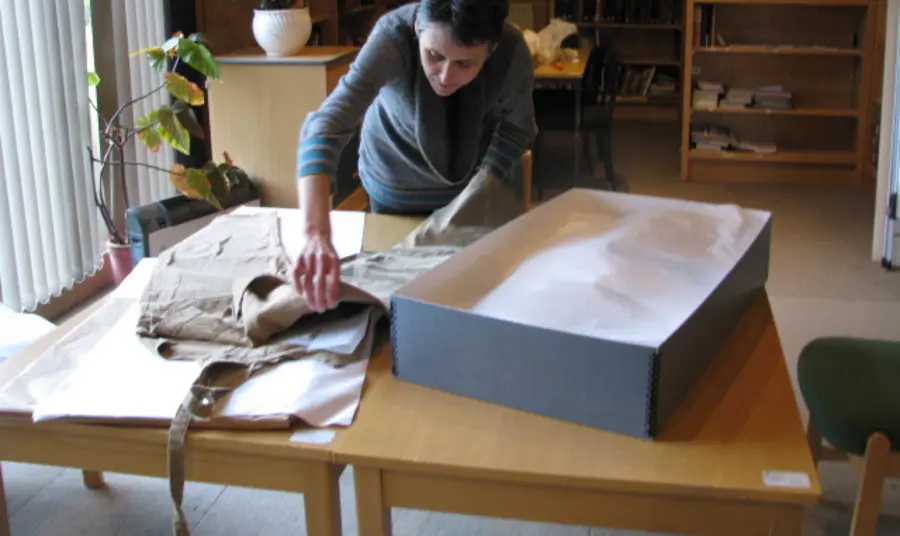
{"x":322,"y":500}
{"x":4,"y":515}
{"x":92,"y":479}
{"x":787,"y":523}
{"x":373,"y":516}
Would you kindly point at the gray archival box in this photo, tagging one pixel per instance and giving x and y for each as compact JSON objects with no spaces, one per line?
{"x":597,"y":308}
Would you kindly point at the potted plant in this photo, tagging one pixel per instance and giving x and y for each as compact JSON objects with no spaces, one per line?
{"x":170,"y":124}
{"x":282,"y":27}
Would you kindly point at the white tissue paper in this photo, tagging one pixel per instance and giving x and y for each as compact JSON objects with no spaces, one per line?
{"x":613,"y":266}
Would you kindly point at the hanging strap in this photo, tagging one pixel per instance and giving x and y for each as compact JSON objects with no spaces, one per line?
{"x":215,"y":381}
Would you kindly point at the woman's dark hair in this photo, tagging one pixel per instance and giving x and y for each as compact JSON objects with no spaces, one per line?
{"x":471,"y":22}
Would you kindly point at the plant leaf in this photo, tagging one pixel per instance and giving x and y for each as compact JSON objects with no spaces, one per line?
{"x":148,"y":135}
{"x":157,"y":57}
{"x":173,"y":131}
{"x":193,"y":183}
{"x":93,"y":79}
{"x":218,"y":181}
{"x":170,"y":47}
{"x":199,"y":57}
{"x":188,"y":119}
{"x":184,"y":89}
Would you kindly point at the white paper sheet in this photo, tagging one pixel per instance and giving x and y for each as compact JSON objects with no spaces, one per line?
{"x":120,"y":379}
{"x":19,"y":330}
{"x":342,"y":336}
{"x":347,"y":229}
{"x":123,"y":379}
{"x":614,"y":266}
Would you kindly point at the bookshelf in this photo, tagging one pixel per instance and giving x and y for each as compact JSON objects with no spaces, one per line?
{"x":780,"y":90}
{"x":647,"y":36}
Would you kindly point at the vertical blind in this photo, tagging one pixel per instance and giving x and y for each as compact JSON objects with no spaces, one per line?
{"x":51,"y":235}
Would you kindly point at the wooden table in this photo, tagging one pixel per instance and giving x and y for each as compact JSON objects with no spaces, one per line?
{"x":419,"y":448}
{"x":265,"y":460}
{"x":415,"y":447}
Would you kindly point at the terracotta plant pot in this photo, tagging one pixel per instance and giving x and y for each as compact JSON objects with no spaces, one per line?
{"x":120,"y":261}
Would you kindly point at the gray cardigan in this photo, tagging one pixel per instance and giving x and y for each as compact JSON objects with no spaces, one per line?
{"x":418,"y":150}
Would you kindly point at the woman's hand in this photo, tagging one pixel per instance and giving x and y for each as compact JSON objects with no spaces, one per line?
{"x":317,"y":275}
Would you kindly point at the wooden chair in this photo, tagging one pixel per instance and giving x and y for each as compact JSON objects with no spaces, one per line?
{"x":554,"y":112}
{"x":852,"y":389}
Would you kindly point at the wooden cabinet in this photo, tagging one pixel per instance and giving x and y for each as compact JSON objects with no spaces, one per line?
{"x":257,"y":110}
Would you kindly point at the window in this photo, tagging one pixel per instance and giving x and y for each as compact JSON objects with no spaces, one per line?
{"x":51,"y":235}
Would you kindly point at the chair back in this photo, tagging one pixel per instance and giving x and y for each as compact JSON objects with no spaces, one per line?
{"x":601,"y":77}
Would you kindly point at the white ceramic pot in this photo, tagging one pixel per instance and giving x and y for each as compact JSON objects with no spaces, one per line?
{"x":282,"y":32}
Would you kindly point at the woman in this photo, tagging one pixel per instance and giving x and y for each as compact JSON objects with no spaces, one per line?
{"x":443,"y":88}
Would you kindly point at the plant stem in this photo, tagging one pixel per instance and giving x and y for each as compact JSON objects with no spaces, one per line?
{"x":101,"y":190}
{"x":134,"y":132}
{"x":121,"y":109}
{"x":101,"y":205}
{"x":122,"y":178}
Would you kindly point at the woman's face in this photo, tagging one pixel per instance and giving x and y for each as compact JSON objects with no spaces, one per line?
{"x":449,"y":66}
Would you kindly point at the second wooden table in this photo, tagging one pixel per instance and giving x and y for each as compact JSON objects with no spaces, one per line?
{"x":733,"y":460}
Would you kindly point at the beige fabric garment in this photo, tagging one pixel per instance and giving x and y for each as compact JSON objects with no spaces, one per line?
{"x":224,"y":298}
{"x":218,"y":298}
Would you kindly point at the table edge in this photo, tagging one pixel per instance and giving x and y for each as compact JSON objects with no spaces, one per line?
{"x":198,"y":440}
{"x":777,"y":496}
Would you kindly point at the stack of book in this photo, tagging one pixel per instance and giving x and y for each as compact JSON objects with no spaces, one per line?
{"x":663,"y":86}
{"x":772,"y":98}
{"x":711,"y":137}
{"x":718,"y":138}
{"x":706,"y":96}
{"x":738,"y":98}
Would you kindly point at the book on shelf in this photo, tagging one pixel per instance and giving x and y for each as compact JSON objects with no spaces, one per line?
{"x":618,"y":11}
{"x":663,"y":86}
{"x":705,"y":99}
{"x":704,"y":25}
{"x":706,"y":36}
{"x":717,"y":138}
{"x":709,"y":97}
{"x":737,"y":98}
{"x":647,"y":82}
{"x":772,"y":98}
{"x":636,"y":11}
{"x":706,"y":96}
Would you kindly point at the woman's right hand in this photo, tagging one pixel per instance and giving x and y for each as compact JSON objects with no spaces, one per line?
{"x":317,"y":274}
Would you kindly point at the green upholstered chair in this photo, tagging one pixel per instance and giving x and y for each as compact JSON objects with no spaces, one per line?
{"x":852,"y":389}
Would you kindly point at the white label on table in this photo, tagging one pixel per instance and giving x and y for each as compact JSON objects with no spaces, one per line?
{"x":786,"y":479}
{"x":316,"y":436}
